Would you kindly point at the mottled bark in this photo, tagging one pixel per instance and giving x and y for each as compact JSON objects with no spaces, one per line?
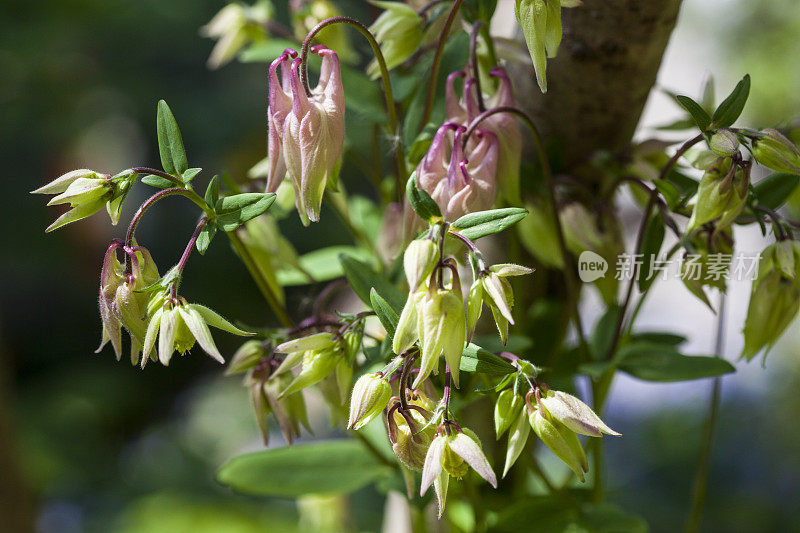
{"x":599,"y":82}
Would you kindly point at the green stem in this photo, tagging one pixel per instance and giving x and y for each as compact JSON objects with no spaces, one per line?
{"x":437,"y":63}
{"x":701,"y":476}
{"x":391,"y":110}
{"x":263,"y":285}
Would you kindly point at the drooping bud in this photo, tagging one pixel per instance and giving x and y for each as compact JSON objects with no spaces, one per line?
{"x":370,"y":396}
{"x":548,"y":431}
{"x":316,"y":366}
{"x":574,"y":414}
{"x":517,"y":438}
{"x":506,"y":410}
{"x":398,"y":30}
{"x":441,"y":324}
{"x":722,"y":194}
{"x":246,"y":357}
{"x":724,"y":143}
{"x":234,"y":26}
{"x":407,"y":333}
{"x":279,"y":100}
{"x":775,"y":151}
{"x":474,"y":306}
{"x":419,"y":261}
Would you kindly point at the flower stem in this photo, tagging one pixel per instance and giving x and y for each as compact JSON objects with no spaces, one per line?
{"x":159,"y":173}
{"x":272,"y":299}
{"x":701,"y":477}
{"x":473,"y":59}
{"x":437,"y":63}
{"x":391,"y":110}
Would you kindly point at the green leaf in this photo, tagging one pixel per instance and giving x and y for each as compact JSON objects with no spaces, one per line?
{"x":212,"y":192}
{"x":603,"y":333}
{"x":363,"y":279}
{"x":476,"y":359}
{"x":320,"y":265}
{"x":699,"y":115}
{"x":158,"y":181}
{"x":730,"y":108}
{"x":652,"y":239}
{"x":421,"y":201}
{"x":773,"y":190}
{"x":233,"y":211}
{"x":204,"y":239}
{"x":386,"y":314}
{"x":190,"y":174}
{"x":323,"y":467}
{"x":476,"y":225}
{"x":170,"y":143}
{"x":662,"y":363}
{"x":658,"y":337}
{"x":669,"y":191}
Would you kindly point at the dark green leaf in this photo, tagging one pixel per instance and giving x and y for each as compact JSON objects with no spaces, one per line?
{"x":773,"y":190}
{"x":476,"y":359}
{"x":388,"y":316}
{"x":421,"y":201}
{"x":697,"y":112}
{"x":669,"y":191}
{"x":363,"y":279}
{"x":324,"y":467}
{"x":658,"y":337}
{"x":514,"y":344}
{"x":652,"y":239}
{"x":730,"y":108}
{"x":603,"y":334}
{"x":476,"y":225}
{"x":170,"y":143}
{"x":663,"y":363}
{"x":204,"y":239}
{"x":233,"y":211}
{"x":212,"y":192}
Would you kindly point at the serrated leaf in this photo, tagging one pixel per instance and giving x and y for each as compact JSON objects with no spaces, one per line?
{"x":386,"y":314}
{"x":476,"y":359}
{"x":730,"y":108}
{"x":662,"y":363}
{"x":363,"y":279}
{"x":699,"y":115}
{"x":421,"y":202}
{"x":233,"y":211}
{"x":170,"y":142}
{"x":476,"y":225}
{"x":324,"y":467}
{"x":772,"y":191}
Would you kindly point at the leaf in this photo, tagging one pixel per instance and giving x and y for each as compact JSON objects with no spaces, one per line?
{"x":233,"y":211}
{"x":388,"y":316}
{"x":730,"y":108}
{"x":699,"y":115}
{"x":421,"y":202}
{"x":652,"y":239}
{"x":476,"y":359}
{"x":212,"y":192}
{"x":170,"y":142}
{"x":476,"y":225}
{"x":363,"y":279}
{"x":320,"y":265}
{"x":603,"y":333}
{"x":669,"y":191}
{"x":190,"y":174}
{"x":773,"y":190}
{"x":205,"y":237}
{"x":657,"y":362}
{"x":658,"y":337}
{"x":323,"y":467}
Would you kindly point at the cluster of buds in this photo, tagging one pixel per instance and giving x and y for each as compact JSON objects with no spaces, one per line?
{"x":722,"y":192}
{"x":774,"y":298}
{"x":434,"y":312}
{"x":493,"y":289}
{"x":306,"y":130}
{"x":556,"y":417}
{"x":86,"y":192}
{"x":258,"y":361}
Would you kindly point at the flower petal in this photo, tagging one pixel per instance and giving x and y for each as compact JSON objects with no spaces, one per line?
{"x":471,"y":452}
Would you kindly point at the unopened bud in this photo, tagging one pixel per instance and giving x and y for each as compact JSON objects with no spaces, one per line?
{"x":317,"y":365}
{"x":419,"y":261}
{"x":574,"y":414}
{"x":506,"y":410}
{"x":370,"y":396}
{"x":724,"y":143}
{"x":775,"y":151}
{"x":554,"y":439}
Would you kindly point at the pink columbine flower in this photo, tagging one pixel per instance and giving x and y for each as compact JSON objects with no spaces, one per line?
{"x":306,"y":131}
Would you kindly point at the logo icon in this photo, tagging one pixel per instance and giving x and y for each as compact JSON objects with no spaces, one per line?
{"x":591,"y":266}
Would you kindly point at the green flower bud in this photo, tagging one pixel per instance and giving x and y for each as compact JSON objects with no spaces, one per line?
{"x":441,"y":325}
{"x":506,"y":410}
{"x":776,"y":152}
{"x":721,"y":194}
{"x":474,"y":306}
{"x":554,"y":439}
{"x":399,"y":31}
{"x":419,"y":261}
{"x":246,"y":357}
{"x":517,"y":438}
{"x":574,"y":414}
{"x":532,"y":18}
{"x":724,"y":143}
{"x":317,"y":365}
{"x":370,"y":397}
{"x":407,"y":334}
{"x":774,"y":300}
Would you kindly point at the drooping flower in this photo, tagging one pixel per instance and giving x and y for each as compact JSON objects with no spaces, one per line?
{"x":492,"y":288}
{"x":370,"y":396}
{"x":306,"y":131}
{"x":318,"y":356}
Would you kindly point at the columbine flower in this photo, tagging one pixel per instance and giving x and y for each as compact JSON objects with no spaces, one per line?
{"x":121,"y":302}
{"x":452,"y":453}
{"x":280,"y":105}
{"x":289,"y":411}
{"x":370,"y":397}
{"x":504,"y":125}
{"x":319,"y":355}
{"x":87,"y":192}
{"x":311,"y":133}
{"x":178,"y":325}
{"x":398,"y":30}
{"x":721,"y":194}
{"x":410,"y":433}
{"x":492,"y":288}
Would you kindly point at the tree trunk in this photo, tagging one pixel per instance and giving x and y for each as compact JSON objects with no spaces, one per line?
{"x":599,"y":82}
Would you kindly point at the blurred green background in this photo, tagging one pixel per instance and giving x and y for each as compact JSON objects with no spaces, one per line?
{"x":91,"y":445}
